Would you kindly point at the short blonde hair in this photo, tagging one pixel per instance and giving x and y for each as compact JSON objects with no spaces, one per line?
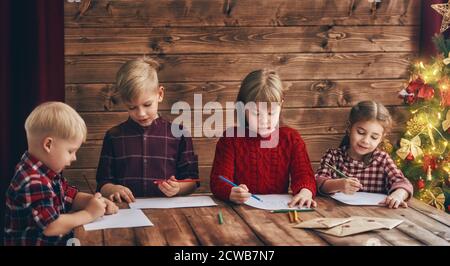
{"x":263,"y":85}
{"x":137,"y":76}
{"x":55,"y":118}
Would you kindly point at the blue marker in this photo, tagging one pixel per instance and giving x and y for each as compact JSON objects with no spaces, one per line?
{"x":234,"y":185}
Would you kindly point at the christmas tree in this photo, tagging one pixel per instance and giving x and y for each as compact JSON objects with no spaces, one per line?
{"x":424,"y":151}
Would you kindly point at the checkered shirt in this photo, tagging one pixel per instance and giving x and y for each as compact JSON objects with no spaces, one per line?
{"x":35,"y":198}
{"x":133,"y":155}
{"x":380,"y":175}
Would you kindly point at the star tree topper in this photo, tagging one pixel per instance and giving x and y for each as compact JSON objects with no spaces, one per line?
{"x":444,"y":10}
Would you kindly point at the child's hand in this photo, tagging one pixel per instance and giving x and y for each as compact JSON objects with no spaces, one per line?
{"x":170,"y":188}
{"x":350,"y":185}
{"x":304,"y":197}
{"x":397,"y":198}
{"x":119,"y":192}
{"x":111,"y":207}
{"x":96,"y":206}
{"x":239,"y":194}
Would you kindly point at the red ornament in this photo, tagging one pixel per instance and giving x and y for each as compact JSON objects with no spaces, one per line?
{"x":429,"y":161}
{"x":415,"y":85}
{"x":445,"y":97}
{"x":410,"y":157}
{"x":420,"y":184}
{"x":426,"y":92}
{"x":417,"y":89}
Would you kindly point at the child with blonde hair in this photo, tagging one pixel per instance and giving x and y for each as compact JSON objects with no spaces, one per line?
{"x":369,"y":169}
{"x":141,"y":157}
{"x":260,"y":169}
{"x":41,"y":207}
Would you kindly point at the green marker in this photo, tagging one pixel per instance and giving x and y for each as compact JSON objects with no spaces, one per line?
{"x":336,"y":170}
{"x":220,"y":217}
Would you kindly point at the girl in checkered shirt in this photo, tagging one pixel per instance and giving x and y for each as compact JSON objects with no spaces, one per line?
{"x":369,"y":169}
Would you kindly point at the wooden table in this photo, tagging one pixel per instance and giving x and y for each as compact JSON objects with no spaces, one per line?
{"x":246,"y":226}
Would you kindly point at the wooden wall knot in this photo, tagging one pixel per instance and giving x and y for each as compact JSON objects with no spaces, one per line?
{"x":228,"y":6}
{"x":154,"y":45}
{"x":111,"y":97}
{"x":322,"y":86}
{"x":205,"y":87}
{"x":375,"y":5}
{"x":345,"y":99}
{"x":332,"y":130}
{"x":83,"y":8}
{"x":336,"y":35}
{"x":281,"y":59}
{"x":109,"y":9}
{"x":351,"y":8}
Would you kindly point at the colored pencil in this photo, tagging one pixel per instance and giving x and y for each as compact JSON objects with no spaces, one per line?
{"x":291,"y":217}
{"x":234,"y":185}
{"x":179,"y":181}
{"x":290,"y":210}
{"x":336,"y":170}
{"x":220,"y":217}
{"x":187,"y":180}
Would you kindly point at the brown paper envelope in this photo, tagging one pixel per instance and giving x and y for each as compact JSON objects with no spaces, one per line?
{"x":388,"y":223}
{"x":322,"y":223}
{"x":355,"y":226}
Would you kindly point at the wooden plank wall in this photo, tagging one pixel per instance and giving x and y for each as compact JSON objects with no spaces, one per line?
{"x":330,"y":53}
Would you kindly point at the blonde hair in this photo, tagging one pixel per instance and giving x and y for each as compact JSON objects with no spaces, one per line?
{"x":137,"y":76}
{"x":263,"y":85}
{"x":55,"y":118}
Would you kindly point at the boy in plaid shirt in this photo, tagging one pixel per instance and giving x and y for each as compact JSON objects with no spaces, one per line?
{"x":143,"y":150}
{"x":41,"y":208}
{"x":358,"y":157}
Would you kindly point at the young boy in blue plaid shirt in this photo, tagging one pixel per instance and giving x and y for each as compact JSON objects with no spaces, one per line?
{"x":38,"y":200}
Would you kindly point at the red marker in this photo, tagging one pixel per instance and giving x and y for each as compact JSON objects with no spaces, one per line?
{"x":159,"y":181}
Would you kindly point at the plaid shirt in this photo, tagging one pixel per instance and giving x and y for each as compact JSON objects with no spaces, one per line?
{"x":35,"y":198}
{"x":132,"y":155}
{"x":380,"y":175}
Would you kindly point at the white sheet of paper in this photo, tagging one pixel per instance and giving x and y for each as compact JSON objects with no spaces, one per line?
{"x":125,"y":218}
{"x":271,"y":202}
{"x":175,"y":202}
{"x":360,"y":198}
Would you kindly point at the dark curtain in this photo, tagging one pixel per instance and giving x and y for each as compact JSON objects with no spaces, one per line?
{"x":430,"y":25}
{"x":32,"y":72}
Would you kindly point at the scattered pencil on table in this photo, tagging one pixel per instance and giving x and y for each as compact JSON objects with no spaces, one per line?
{"x":234,"y":185}
{"x":291,"y":217}
{"x":336,"y":170}
{"x":220,"y":217}
{"x":290,"y":210}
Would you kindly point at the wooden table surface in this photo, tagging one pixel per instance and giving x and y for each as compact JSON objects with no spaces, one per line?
{"x":247,"y":226}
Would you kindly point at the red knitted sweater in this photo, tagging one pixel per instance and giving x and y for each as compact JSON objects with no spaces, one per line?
{"x":263,"y":170}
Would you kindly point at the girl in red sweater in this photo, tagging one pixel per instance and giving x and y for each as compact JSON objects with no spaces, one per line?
{"x":265,"y":155}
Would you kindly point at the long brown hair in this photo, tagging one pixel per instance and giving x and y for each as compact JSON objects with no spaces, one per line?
{"x":366,"y":111}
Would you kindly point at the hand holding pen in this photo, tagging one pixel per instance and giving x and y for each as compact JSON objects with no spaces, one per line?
{"x":347,"y":185}
{"x":239,"y":193}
